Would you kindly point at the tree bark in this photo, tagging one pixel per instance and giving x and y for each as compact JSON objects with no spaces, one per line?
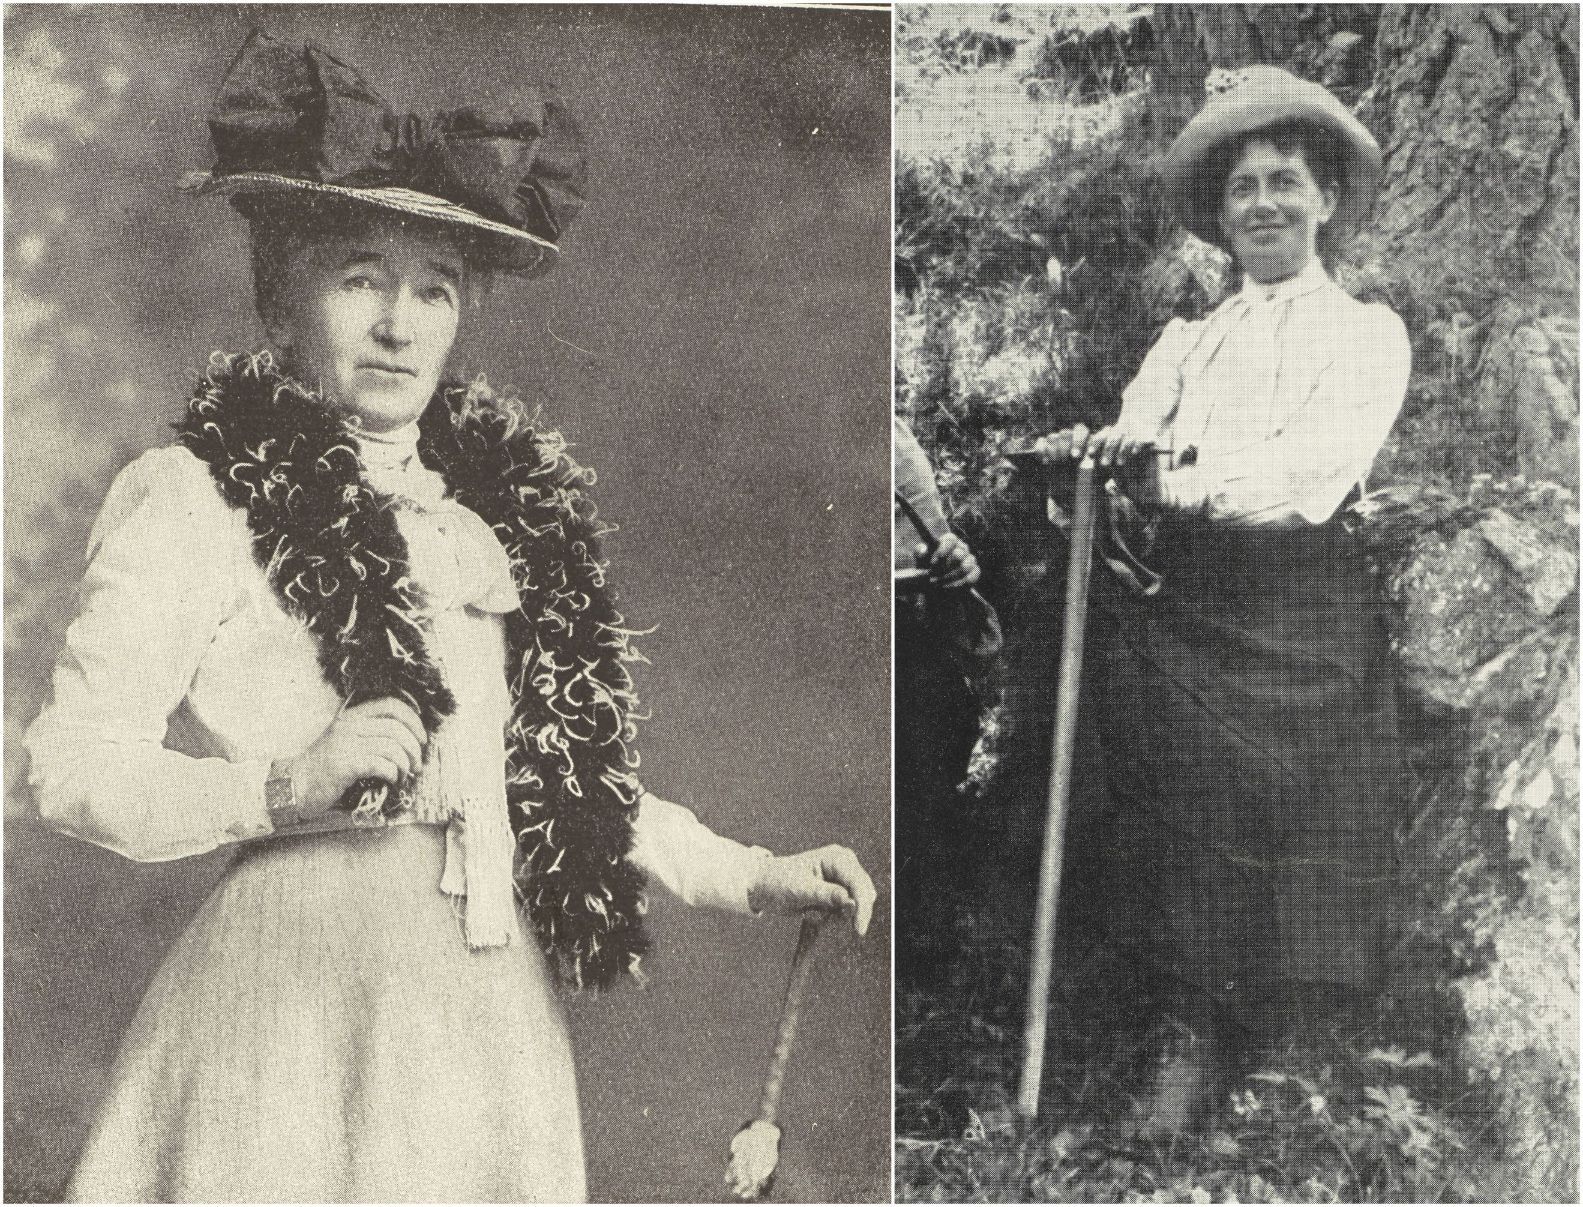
{"x":1180,"y":66}
{"x":1476,"y":110}
{"x":1192,"y":38}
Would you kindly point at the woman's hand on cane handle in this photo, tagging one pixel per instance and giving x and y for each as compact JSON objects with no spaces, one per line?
{"x":829,"y":878}
{"x":379,"y":739}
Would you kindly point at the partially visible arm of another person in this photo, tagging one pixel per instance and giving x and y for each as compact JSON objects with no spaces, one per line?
{"x":951,"y":564}
{"x":1304,"y":473}
{"x":158,"y":586}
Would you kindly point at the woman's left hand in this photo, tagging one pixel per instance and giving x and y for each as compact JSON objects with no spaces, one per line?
{"x":829,"y":878}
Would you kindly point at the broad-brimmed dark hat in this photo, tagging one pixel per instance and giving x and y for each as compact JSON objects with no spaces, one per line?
{"x":1250,"y":99}
{"x":295,"y":122}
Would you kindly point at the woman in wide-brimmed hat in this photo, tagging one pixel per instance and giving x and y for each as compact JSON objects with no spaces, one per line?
{"x":355,"y":624}
{"x":1246,"y":708}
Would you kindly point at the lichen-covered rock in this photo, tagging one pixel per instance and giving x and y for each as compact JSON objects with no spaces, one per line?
{"x":1548,"y":570}
{"x":1522,"y":1007}
{"x":1475,"y":117}
{"x":1460,"y":607}
{"x":1527,"y":385}
{"x":1509,"y":694}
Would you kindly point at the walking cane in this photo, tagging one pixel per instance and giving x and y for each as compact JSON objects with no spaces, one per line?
{"x":1065,"y":737}
{"x":755,"y":1150}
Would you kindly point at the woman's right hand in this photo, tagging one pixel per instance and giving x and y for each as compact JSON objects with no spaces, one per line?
{"x":379,"y":739}
{"x":830,"y":878}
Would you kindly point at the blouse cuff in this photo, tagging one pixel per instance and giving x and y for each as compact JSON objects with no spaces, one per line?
{"x":252,"y":818}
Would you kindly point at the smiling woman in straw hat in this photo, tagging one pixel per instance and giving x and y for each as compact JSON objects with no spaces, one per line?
{"x":355,"y":626}
{"x":1246,"y":708}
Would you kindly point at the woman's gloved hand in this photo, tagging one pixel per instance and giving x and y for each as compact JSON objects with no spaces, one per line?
{"x":829,"y":878}
{"x":952,"y":565}
{"x":379,"y":739}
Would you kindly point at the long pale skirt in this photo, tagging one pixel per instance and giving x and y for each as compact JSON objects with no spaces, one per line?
{"x":322,"y":1033}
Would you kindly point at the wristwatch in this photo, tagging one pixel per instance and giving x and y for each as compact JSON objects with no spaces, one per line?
{"x":280,"y":798}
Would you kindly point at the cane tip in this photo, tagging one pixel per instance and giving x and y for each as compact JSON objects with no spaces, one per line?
{"x":755,"y":1151}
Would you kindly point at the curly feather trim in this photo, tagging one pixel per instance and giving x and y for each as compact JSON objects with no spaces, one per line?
{"x":329,"y":546}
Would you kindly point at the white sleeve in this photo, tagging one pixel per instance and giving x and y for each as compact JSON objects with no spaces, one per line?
{"x":694,"y":863}
{"x":159,"y":582}
{"x":1150,"y":400}
{"x":1304,"y":474}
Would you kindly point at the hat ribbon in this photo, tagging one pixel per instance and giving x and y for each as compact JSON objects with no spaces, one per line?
{"x":302,"y":113}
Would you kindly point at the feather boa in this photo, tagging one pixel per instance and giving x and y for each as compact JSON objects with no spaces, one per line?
{"x":329,"y":547}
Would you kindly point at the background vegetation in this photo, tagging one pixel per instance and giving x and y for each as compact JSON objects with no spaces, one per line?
{"x":1036,"y":262}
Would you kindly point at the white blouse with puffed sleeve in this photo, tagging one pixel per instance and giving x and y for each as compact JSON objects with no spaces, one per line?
{"x":182,"y":679}
{"x":1270,"y":410}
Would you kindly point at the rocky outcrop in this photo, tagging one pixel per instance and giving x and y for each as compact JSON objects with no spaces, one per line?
{"x":1486,"y":634}
{"x":1475,"y":109}
{"x":1475,"y":238}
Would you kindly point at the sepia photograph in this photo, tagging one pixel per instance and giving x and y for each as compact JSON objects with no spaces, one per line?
{"x":1235,"y":559}
{"x":412,"y":414}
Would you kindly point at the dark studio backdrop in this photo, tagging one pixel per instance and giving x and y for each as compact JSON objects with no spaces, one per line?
{"x":715,"y":342}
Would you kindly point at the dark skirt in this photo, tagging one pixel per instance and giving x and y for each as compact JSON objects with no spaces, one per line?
{"x":1248,"y":724}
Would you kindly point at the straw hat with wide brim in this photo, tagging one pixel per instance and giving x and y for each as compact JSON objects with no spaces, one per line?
{"x":297,"y":123}
{"x":1251,"y":99}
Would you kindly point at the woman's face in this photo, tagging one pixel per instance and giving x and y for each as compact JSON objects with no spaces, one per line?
{"x":369,"y":319}
{"x":1272,"y":210}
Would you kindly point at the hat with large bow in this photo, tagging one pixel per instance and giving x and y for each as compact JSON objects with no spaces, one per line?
{"x":297,"y":121}
{"x":1240,"y":102}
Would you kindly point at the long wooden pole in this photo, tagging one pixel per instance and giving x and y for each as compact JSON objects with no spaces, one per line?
{"x":1063,"y":742}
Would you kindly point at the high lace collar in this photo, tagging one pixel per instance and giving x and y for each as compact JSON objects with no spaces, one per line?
{"x":392,"y":466}
{"x":388,"y":448}
{"x":1312,"y":277}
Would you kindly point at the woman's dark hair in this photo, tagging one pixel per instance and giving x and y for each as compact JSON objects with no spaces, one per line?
{"x":1320,"y":147}
{"x":279,"y":226}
